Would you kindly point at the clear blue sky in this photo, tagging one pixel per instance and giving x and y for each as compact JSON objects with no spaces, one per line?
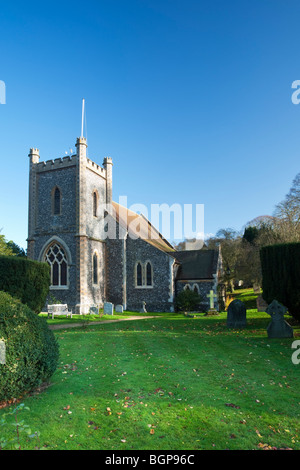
{"x":191,"y":99}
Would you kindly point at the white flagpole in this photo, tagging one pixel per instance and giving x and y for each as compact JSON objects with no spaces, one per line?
{"x":82,"y":118}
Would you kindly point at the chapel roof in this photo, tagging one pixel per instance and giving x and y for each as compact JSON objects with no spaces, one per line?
{"x":193,"y":264}
{"x":196,"y":264}
{"x":137,"y":224}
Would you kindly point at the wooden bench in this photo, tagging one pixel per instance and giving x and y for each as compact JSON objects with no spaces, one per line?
{"x":59,"y":309}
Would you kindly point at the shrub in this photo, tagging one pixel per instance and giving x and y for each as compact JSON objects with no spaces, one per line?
{"x":187,"y":301}
{"x":31,"y":350}
{"x":26,"y":280}
{"x":280,"y":266}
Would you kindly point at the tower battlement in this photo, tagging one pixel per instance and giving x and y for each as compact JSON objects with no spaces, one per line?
{"x":56,"y":163}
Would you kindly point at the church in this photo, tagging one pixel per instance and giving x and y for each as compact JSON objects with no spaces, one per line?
{"x":94,"y":254}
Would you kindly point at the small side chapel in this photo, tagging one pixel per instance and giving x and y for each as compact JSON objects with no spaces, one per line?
{"x":65,"y":222}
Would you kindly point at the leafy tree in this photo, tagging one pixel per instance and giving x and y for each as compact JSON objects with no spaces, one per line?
{"x":16,"y":249}
{"x":5,"y":250}
{"x":10,"y":248}
{"x":251,"y":234}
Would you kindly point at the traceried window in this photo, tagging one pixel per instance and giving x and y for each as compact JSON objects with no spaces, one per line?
{"x":95,"y":268}
{"x":139,"y":275}
{"x":56,"y":201}
{"x":149,"y":274}
{"x":57,"y":260}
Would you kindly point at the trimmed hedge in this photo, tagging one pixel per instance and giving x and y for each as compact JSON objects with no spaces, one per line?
{"x":31,"y":349}
{"x":25,"y":279}
{"x":187,"y":300}
{"x":280,"y":266}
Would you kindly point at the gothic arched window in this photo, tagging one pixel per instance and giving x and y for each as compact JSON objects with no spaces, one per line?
{"x":57,"y":260}
{"x":95,"y":268}
{"x":56,"y":202}
{"x":149,"y":274}
{"x":196,"y":288}
{"x":139,"y":275}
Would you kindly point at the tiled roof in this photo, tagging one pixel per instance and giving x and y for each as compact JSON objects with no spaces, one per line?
{"x":196,"y":264}
{"x":139,"y":226}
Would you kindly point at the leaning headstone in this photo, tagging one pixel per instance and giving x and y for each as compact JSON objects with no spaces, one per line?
{"x":278,"y":327}
{"x":108,"y":308}
{"x":236,"y":314}
{"x":143,"y":309}
{"x":261,"y":304}
{"x":119,"y":308}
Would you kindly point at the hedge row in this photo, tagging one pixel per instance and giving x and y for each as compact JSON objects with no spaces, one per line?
{"x":25,"y":280}
{"x":281,"y":275}
{"x":31,"y":350}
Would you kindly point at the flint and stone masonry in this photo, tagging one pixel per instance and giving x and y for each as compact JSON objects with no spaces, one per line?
{"x":65,"y":229}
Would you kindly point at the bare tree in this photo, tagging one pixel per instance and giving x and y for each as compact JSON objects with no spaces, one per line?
{"x":287,"y":213}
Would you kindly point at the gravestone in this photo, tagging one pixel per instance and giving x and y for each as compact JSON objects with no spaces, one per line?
{"x":236,"y":314}
{"x":278,"y":327}
{"x":108,"y":308}
{"x":212,"y":310}
{"x":94,"y":310}
{"x":261,"y":304}
{"x":2,"y":352}
{"x":143,"y":309}
{"x":119,"y":308}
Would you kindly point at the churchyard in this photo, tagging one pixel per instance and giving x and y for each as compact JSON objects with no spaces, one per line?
{"x":170,"y":382}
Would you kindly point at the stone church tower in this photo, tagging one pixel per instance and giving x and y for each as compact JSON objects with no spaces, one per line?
{"x":65,"y":195}
{"x":70,"y":210}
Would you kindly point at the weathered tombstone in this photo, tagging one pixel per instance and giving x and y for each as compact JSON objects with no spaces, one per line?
{"x":143,"y":309}
{"x":108,"y":308}
{"x":278,"y":327}
{"x":2,"y":352}
{"x":261,"y":304}
{"x":119,"y":308}
{"x":236,"y":314}
{"x":212,"y":310}
{"x":94,"y":310}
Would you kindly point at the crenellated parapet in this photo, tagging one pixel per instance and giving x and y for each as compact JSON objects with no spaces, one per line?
{"x":57,"y":163}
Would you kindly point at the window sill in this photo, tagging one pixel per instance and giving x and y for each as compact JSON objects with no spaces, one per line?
{"x":59,"y":287}
{"x":143,"y":287}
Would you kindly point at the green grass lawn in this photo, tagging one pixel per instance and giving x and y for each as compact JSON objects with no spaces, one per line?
{"x":248,"y":296}
{"x":171,"y":383}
